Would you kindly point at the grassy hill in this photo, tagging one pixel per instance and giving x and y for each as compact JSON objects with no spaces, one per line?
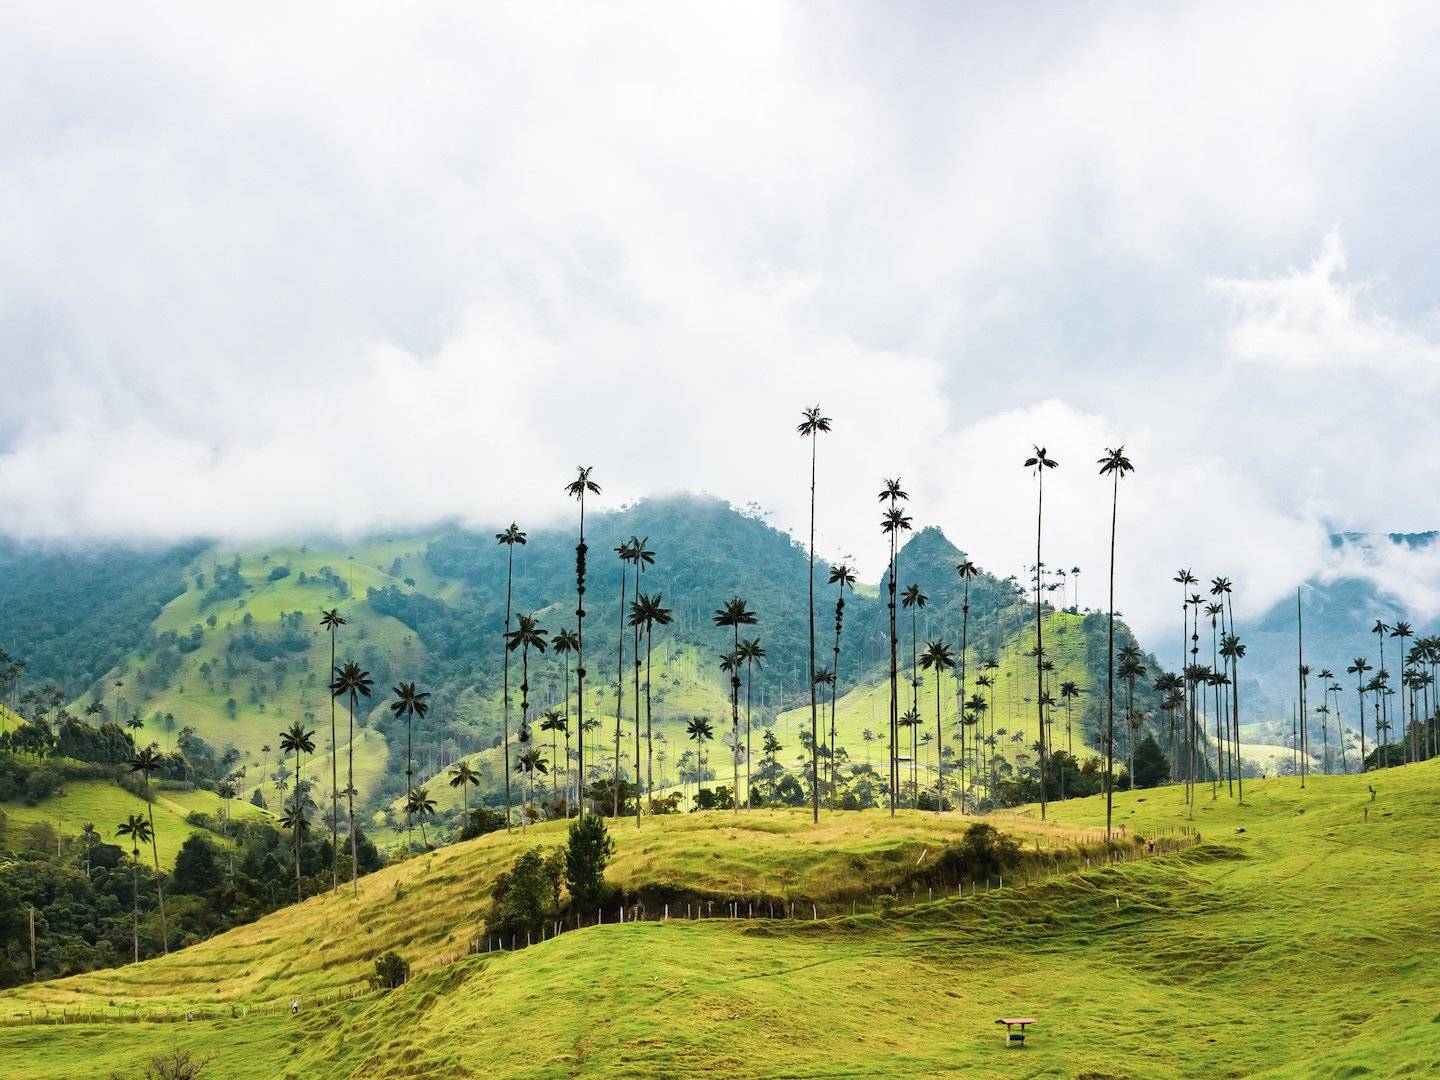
{"x":1296,"y":941}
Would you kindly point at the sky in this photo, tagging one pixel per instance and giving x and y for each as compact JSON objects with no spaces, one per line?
{"x":288,"y":270}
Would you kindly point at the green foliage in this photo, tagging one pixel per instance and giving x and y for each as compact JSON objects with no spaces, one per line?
{"x":1152,"y":766}
{"x":482,"y":820}
{"x":197,"y":867}
{"x":526,"y":898}
{"x":587,"y":853}
{"x":391,"y":972}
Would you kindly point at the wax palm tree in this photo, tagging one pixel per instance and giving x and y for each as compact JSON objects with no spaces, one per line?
{"x":842,"y":577}
{"x":331,"y":621}
{"x":700,"y":732}
{"x":939,"y":658}
{"x":140,"y":832}
{"x":510,"y":538}
{"x":529,"y":763}
{"x":892,"y":524}
{"x":1115,"y":465}
{"x":145,"y":762}
{"x":418,"y":803}
{"x":731,"y":665}
{"x":1401,"y":630}
{"x":296,"y":740}
{"x":735,"y":614}
{"x":552,"y":721}
{"x":565,"y":642}
{"x":656,"y":614}
{"x":1069,"y":691}
{"x":976,"y":708}
{"x":811,"y":426}
{"x":1040,"y":462}
{"x":753,"y":653}
{"x":410,"y":703}
{"x":967,"y":571}
{"x":1380,"y":629}
{"x":577,"y":489}
{"x":462,"y":776}
{"x":626,"y":551}
{"x":910,"y":720}
{"x":640,"y":557}
{"x":352,"y":682}
{"x":1233,"y":649}
{"x":1130,"y":669}
{"x":913,"y":600}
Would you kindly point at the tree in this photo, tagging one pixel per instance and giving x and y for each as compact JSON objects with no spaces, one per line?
{"x":700,"y":732}
{"x":641,"y":556}
{"x":912,"y":600}
{"x":510,"y":538}
{"x":527,"y":635}
{"x":1039,"y":462}
{"x":331,"y":621}
{"x":751,"y":653}
{"x":139,"y":832}
{"x":418,"y":803}
{"x":564,"y":643}
{"x":811,"y":426}
{"x":353,"y":682}
{"x":1115,"y":465}
{"x":529,"y":763}
{"x":1233,"y":649}
{"x":1130,"y":669}
{"x":145,"y":762}
{"x":464,"y":777}
{"x":587,"y":852}
{"x":296,"y":740}
{"x":526,"y":898}
{"x":1149,"y":766}
{"x":892,"y":524}
{"x":843,"y":577}
{"x":735,"y":614}
{"x":627,"y":552}
{"x":1358,"y":668}
{"x":939,"y":658}
{"x":577,"y":489}
{"x":553,"y":722}
{"x":410,"y":703}
{"x":1402,"y":630}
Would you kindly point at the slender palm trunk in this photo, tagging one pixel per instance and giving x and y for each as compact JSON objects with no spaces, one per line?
{"x":350,"y":804}
{"x":649,"y":744}
{"x":135,"y":896}
{"x":505,"y":656}
{"x":1302,"y":719}
{"x":159,"y":878}
{"x":299,"y":817}
{"x":894,"y":684}
{"x":939,"y":745}
{"x":814,"y":720}
{"x":735,"y":728}
{"x":749,"y":703}
{"x":580,"y":550}
{"x":1110,"y":669}
{"x":334,"y":784}
{"x":410,"y":782}
{"x":960,"y":697}
{"x":1039,"y":643}
{"x":619,"y":692}
{"x":524,"y":727}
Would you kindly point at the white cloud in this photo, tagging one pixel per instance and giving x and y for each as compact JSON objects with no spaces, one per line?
{"x":265,"y":272}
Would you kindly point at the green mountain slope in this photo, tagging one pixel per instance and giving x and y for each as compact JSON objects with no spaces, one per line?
{"x":1295,"y":941}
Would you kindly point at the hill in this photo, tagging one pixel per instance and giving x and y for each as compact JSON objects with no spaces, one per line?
{"x":1255,"y":957}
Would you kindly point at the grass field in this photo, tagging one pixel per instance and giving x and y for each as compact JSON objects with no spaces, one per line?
{"x":1296,"y":941}
{"x":106,"y":805}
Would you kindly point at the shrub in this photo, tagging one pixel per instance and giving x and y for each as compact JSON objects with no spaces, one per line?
{"x":526,"y":898}
{"x":390,"y":972}
{"x":482,"y":820}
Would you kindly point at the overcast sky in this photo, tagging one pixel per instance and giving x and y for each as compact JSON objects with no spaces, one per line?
{"x":279,"y":269}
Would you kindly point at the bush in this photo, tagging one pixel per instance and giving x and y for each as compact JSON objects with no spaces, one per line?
{"x":526,"y":898}
{"x":482,"y":820}
{"x":983,"y":851}
{"x":390,"y":972}
{"x":586,"y":855}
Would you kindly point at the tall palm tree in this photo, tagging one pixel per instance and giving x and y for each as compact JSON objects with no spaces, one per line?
{"x":1069,"y":691}
{"x":735,"y":614}
{"x":1040,"y":462}
{"x":331,"y":621}
{"x":653,"y":613}
{"x":139,"y":832}
{"x":843,"y":577}
{"x":296,"y":740}
{"x":913,"y":600}
{"x":939,"y":658}
{"x":464,"y":777}
{"x":910,"y":721}
{"x":641,"y":557}
{"x":577,"y":489}
{"x":418,"y":803}
{"x":410,"y":703}
{"x":564,"y":643}
{"x":552,"y":721}
{"x":810,"y":427}
{"x":1233,"y":649}
{"x":731,"y":665}
{"x":145,"y":762}
{"x":626,"y":551}
{"x":700,"y":732}
{"x":1402,"y":630}
{"x":510,"y":538}
{"x":1380,"y":629}
{"x":751,"y":653}
{"x":354,"y":683}
{"x":1130,"y":669}
{"x":529,"y":763}
{"x":527,"y":635}
{"x":967,"y":571}
{"x":892,"y":524}
{"x":1115,"y":465}
{"x":976,"y":708}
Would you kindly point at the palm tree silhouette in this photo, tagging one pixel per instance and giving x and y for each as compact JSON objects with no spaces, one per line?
{"x":410,"y":703}
{"x":1234,"y":651}
{"x":510,"y":538}
{"x":419,"y":804}
{"x":577,"y":489}
{"x":626,"y":551}
{"x":1039,"y":462}
{"x":353,"y":682}
{"x":527,"y":635}
{"x":564,"y":643}
{"x":1069,"y":691}
{"x":553,"y":722}
{"x":1401,"y":630}
{"x":700,"y":732}
{"x":529,"y":763}
{"x":751,"y":653}
{"x":140,"y":832}
{"x":331,"y":621}
{"x":145,"y":762}
{"x":464,"y":777}
{"x":641,"y":557}
{"x":1115,"y":465}
{"x":1130,"y":669}
{"x":810,"y":428}
{"x":913,"y":600}
{"x":296,"y":740}
{"x":892,"y":524}
{"x":939,"y":658}
{"x":843,"y":577}
{"x":735,"y":614}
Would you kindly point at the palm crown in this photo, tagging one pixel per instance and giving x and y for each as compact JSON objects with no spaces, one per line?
{"x":813,"y":423}
{"x":1114,"y":461}
{"x":582,"y":484}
